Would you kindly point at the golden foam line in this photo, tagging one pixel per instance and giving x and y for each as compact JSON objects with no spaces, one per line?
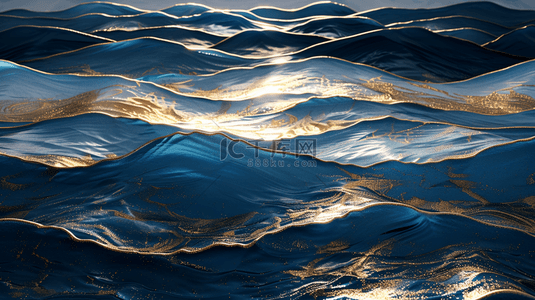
{"x":61,"y":28}
{"x":127,"y":40}
{"x":464,"y":40}
{"x":353,"y":16}
{"x":433,"y":8}
{"x":463,"y":28}
{"x":529,"y":21}
{"x":447,"y":17}
{"x":135,"y":81}
{"x":488,"y":73}
{"x":483,"y":292}
{"x":275,"y":20}
{"x":329,"y":40}
{"x":267,"y":30}
{"x":284,"y":30}
{"x":251,"y":10}
{"x":330,"y":218}
{"x":299,"y":61}
{"x":503,"y":291}
{"x":85,"y":15}
{"x":387,"y":7}
{"x":163,"y":26}
{"x":298,"y":9}
{"x":507,"y":33}
{"x":230,"y":13}
{"x":84,"y":3}
{"x":345,"y":38}
{"x":143,"y":12}
{"x":188,"y":3}
{"x":394,"y":287}
{"x":19,"y":126}
{"x":516,"y":219}
{"x":68,"y":232}
{"x":272,"y":56}
{"x":255,"y":22}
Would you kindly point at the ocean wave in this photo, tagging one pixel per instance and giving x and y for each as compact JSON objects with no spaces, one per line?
{"x":31,"y":42}
{"x":112,"y":9}
{"x":477,"y":36}
{"x":316,"y":9}
{"x":403,"y":52}
{"x":337,"y":27}
{"x":266,"y":43}
{"x":225,"y":23}
{"x":263,"y":111}
{"x":92,"y":22}
{"x":361,"y":141}
{"x":483,"y":10}
{"x":191,"y":38}
{"x":182,"y":10}
{"x":378,"y":235}
{"x":122,"y":58}
{"x":204,"y":171}
{"x":343,"y":258}
{"x":518,"y":42}
{"x":454,"y":22}
{"x":316,"y":153}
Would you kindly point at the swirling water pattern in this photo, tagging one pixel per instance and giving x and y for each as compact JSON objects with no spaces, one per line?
{"x":315,"y":153}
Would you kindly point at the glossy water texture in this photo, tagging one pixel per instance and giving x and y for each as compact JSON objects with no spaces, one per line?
{"x":315,"y":153}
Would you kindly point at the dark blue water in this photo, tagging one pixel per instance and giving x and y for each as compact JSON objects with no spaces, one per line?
{"x":317,"y":153}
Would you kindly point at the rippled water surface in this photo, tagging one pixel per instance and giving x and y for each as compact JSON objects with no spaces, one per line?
{"x":315,"y":153}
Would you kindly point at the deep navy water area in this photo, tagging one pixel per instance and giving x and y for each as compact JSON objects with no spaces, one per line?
{"x":313,"y":153}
